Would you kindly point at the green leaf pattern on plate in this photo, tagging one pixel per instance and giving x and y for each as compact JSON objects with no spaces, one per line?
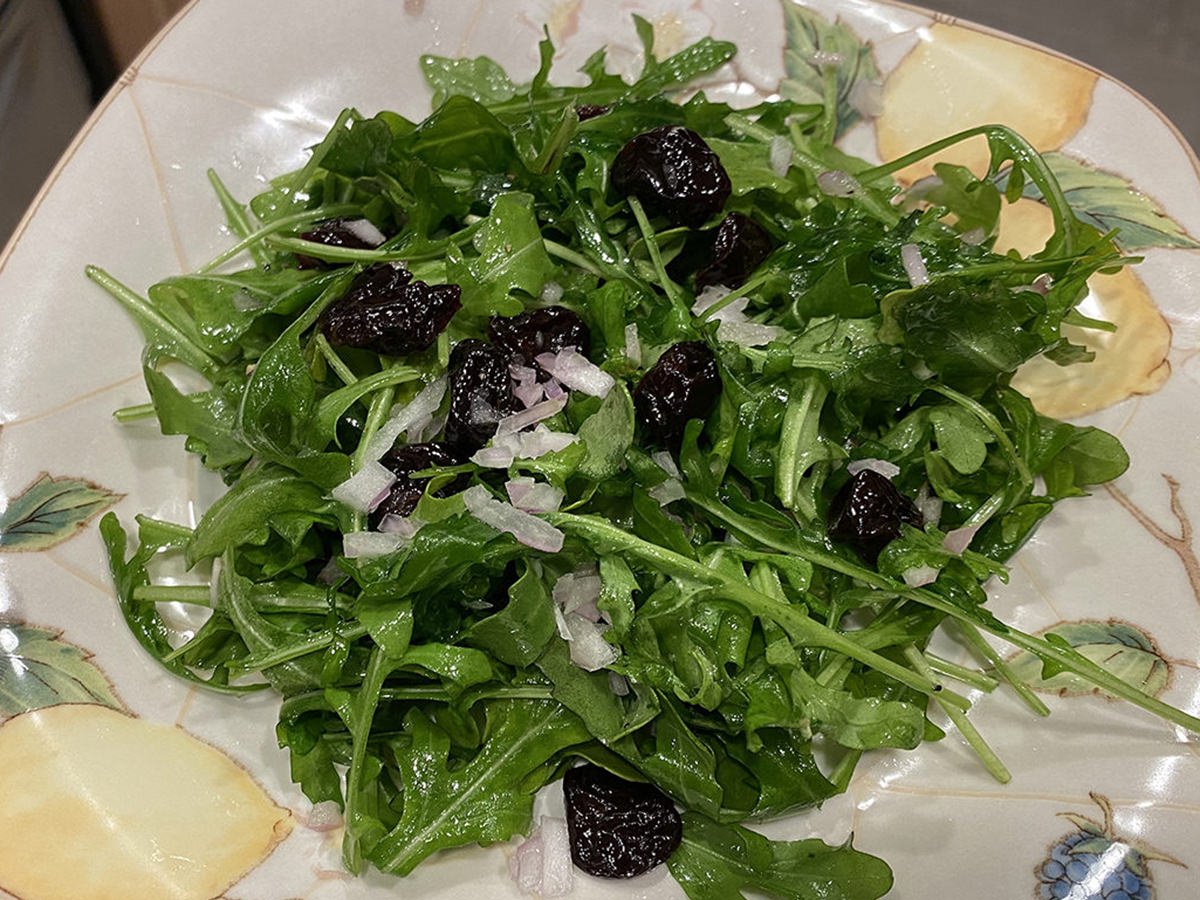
{"x":808,"y":34}
{"x":50,"y":511}
{"x":39,"y":669}
{"x":1123,"y":649}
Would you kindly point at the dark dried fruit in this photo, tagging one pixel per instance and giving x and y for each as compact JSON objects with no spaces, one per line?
{"x":405,"y":493}
{"x":674,"y":174}
{"x":684,"y":384}
{"x":386,"y":311}
{"x":590,"y":111}
{"x":618,"y":828}
{"x":741,"y":245}
{"x":480,"y":394}
{"x":867,"y":513}
{"x":331,"y":233}
{"x":546,"y":330}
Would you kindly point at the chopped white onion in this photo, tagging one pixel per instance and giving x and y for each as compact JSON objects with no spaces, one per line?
{"x":364,"y":231}
{"x":974,"y":237}
{"x":666,"y":462}
{"x":888,"y":470}
{"x":633,"y":347}
{"x":369,"y":544}
{"x":589,"y":649}
{"x":529,"y":530}
{"x":558,"y":872}
{"x":667,"y":491}
{"x":930,"y":505}
{"x":533,"y":497}
{"x":536,"y":413}
{"x":577,"y":372}
{"x":366,"y":488}
{"x":959,"y":539}
{"x":825,"y":58}
{"x":552,"y":292}
{"x":748,"y":334}
{"x":867,"y":98}
{"x":325,"y":816}
{"x":413,"y":416}
{"x":577,"y":592}
{"x":919,"y":576}
{"x":405,"y":526}
{"x":781,"y":155}
{"x":914,"y":265}
{"x":525,"y":866}
{"x":619,"y":684}
{"x":836,"y":183}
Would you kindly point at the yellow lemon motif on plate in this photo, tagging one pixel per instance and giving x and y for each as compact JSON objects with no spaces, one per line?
{"x":956,"y":78}
{"x":1132,"y":360}
{"x":103,"y":806}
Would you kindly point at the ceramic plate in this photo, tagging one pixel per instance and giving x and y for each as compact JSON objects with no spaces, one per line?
{"x":196,"y":796}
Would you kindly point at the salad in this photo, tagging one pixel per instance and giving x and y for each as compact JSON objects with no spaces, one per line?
{"x":598,"y":435}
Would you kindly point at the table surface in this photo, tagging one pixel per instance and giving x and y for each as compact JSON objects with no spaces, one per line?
{"x":1151,"y":45}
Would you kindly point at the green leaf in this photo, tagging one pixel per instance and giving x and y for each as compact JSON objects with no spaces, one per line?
{"x":517,"y":634}
{"x":206,"y":417}
{"x":1123,"y":649}
{"x":480,"y":78}
{"x":38,"y":669}
{"x":960,"y":436}
{"x":461,"y":133}
{"x":512,"y":257}
{"x":50,"y":511}
{"x":719,"y":862}
{"x":748,"y":165}
{"x":481,"y":800}
{"x":607,"y":434}
{"x":1108,"y":202}
{"x":809,"y":33}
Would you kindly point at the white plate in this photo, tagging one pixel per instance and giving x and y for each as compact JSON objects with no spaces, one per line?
{"x":245,"y":87}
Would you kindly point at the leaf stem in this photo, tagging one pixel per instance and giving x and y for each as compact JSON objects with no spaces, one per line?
{"x":335,"y":362}
{"x":284,"y":223}
{"x":971,"y":677}
{"x":134,"y":413}
{"x":664,"y":281}
{"x":1002,"y":669}
{"x":192,"y":594}
{"x":235,"y":215}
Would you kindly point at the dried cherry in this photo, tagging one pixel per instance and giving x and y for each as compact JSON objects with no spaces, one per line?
{"x":587,"y":111}
{"x":545,"y":330}
{"x":867,"y":514}
{"x":618,"y":828}
{"x":409,"y":458}
{"x":674,"y":174}
{"x":331,"y":233}
{"x":386,"y":311}
{"x":740,"y":246}
{"x":480,"y":393}
{"x":684,"y":384}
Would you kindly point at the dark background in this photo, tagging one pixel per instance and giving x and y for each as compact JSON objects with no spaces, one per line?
{"x":57,"y":57}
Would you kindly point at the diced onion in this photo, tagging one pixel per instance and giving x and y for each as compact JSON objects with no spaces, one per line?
{"x":325,"y":816}
{"x":404,"y":526}
{"x":959,"y":539}
{"x":369,"y":544}
{"x":364,"y":231}
{"x":577,"y":592}
{"x":558,"y":872}
{"x":533,"y":496}
{"x":552,"y":292}
{"x":633,"y":346}
{"x":914,"y":265}
{"x":529,"y":530}
{"x":667,"y":491}
{"x":366,"y":488}
{"x":576,"y":372}
{"x":930,"y":505}
{"x":918,"y":576}
{"x":619,"y":684}
{"x":748,"y":334}
{"x":536,"y":413}
{"x":836,"y":183}
{"x":974,"y":237}
{"x":525,"y":867}
{"x":589,"y":649}
{"x":888,"y":470}
{"x":781,"y":155}
{"x":554,"y":390}
{"x":413,"y":416}
{"x":1042,"y":284}
{"x":666,"y":462}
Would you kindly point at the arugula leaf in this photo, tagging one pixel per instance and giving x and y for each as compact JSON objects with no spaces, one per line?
{"x":482,"y":800}
{"x":480,"y":79}
{"x":719,"y":862}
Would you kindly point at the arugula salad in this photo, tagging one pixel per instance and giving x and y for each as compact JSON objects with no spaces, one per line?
{"x":613,"y":433}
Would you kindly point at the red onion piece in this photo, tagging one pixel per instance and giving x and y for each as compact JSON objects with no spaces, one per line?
{"x":959,"y":539}
{"x":914,"y":265}
{"x":529,"y":530}
{"x":370,"y":544}
{"x":558,"y":871}
{"x":404,"y":526}
{"x":533,"y":496}
{"x":413,"y":416}
{"x":781,"y":155}
{"x":536,"y":413}
{"x":930,"y":505}
{"x":525,"y":866}
{"x":888,"y":470}
{"x":325,"y":816}
{"x":576,"y":372}
{"x":918,"y":576}
{"x":366,"y":488}
{"x":836,"y":183}
{"x":633,"y":346}
{"x":364,"y":231}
